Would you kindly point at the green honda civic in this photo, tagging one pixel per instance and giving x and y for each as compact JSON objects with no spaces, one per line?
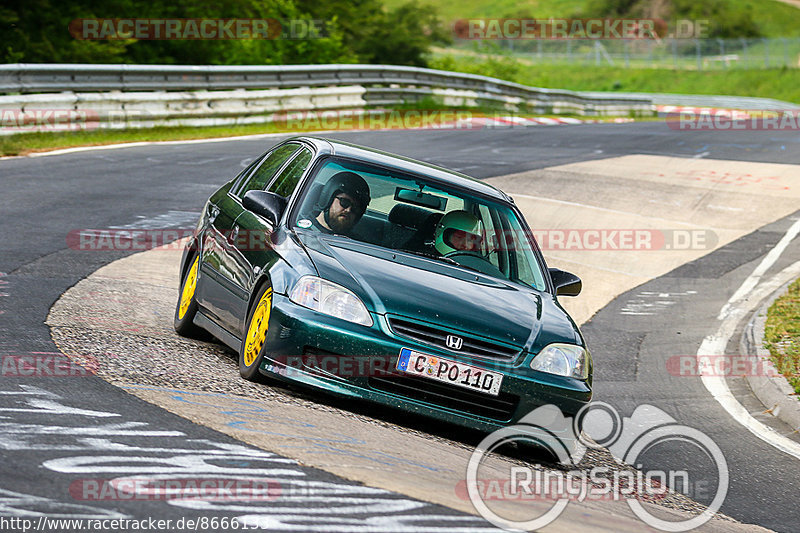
{"x":377,"y":277}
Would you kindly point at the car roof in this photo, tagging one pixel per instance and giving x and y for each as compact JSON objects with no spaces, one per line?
{"x":435,"y":173}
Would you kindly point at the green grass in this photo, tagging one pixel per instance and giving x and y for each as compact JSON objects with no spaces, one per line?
{"x":26,"y":143}
{"x":774,"y":19}
{"x":782,"y":84}
{"x":452,"y":10}
{"x":782,"y":334}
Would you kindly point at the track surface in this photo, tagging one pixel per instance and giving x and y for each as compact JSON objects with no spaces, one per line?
{"x":164,"y":186}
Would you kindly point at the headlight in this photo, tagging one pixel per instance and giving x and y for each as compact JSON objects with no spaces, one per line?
{"x":563,"y":360}
{"x":329,"y":298}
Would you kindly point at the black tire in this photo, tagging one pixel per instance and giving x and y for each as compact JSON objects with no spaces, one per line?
{"x":182,"y":321}
{"x":254,"y":344}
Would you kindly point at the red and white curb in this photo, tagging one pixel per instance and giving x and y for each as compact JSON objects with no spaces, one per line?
{"x":512,"y":122}
{"x":736,"y":114}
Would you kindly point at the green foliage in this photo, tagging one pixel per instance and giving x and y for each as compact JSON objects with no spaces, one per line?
{"x":495,"y":62}
{"x":735,"y":18}
{"x":36,"y":31}
{"x":727,"y":19}
{"x":782,"y":84}
{"x":782,"y":334}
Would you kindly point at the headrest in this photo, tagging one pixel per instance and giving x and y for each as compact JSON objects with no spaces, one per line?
{"x":408,"y":216}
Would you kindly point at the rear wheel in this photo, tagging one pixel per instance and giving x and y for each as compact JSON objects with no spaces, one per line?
{"x":253,"y":345}
{"x":186,"y":308}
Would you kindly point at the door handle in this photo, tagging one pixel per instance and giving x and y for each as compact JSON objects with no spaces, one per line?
{"x":234,"y":234}
{"x":213,"y":211}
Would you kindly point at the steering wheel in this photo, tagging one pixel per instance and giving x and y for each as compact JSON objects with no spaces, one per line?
{"x":459,"y":253}
{"x":477,"y":262}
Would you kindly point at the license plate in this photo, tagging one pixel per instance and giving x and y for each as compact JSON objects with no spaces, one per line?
{"x":449,"y":371}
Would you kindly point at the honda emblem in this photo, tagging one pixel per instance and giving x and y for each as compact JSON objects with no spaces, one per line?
{"x":454,"y":343}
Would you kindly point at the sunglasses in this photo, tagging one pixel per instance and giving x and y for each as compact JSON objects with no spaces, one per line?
{"x":346,"y":203}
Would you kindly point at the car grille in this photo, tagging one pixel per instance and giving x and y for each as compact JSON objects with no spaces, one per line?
{"x":499,"y":407}
{"x":438,"y":337}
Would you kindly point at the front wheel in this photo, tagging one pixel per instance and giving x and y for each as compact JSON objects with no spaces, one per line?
{"x":186,"y":308}
{"x":253,"y":345}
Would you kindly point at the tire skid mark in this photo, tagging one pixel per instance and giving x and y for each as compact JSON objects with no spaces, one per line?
{"x":104,"y":444}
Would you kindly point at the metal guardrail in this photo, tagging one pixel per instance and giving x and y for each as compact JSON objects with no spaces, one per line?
{"x":77,"y":96}
{"x":22,"y":78}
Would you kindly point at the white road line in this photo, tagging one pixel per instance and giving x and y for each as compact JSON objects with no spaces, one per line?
{"x":767,"y":262}
{"x":63,"y":151}
{"x":740,"y":304}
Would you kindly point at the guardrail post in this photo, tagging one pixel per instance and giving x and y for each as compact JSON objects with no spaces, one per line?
{"x":785,"y":51}
{"x":625,"y":46}
{"x":744,"y":51}
{"x":698,"y":54}
{"x":674,"y":53}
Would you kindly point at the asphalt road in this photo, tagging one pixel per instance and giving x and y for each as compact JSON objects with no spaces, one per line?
{"x":161,"y":186}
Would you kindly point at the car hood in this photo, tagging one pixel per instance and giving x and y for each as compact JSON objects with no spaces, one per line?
{"x":396,"y":283}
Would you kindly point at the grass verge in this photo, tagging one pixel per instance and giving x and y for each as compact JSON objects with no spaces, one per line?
{"x":779,"y":83}
{"x":400,"y":118}
{"x":782,"y":334}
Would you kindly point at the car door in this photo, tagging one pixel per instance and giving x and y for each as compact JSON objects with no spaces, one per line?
{"x":218,"y":222}
{"x":255,"y":245}
{"x":223,"y":294}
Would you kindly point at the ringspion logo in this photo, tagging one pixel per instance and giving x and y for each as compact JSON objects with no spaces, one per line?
{"x":648,"y":430}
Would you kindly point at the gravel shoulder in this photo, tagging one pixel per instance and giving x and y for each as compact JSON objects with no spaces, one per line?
{"x":119,"y":322}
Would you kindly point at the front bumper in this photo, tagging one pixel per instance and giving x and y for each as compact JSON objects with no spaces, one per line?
{"x":356,"y":361}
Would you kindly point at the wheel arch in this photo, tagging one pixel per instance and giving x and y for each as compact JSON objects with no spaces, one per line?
{"x":189,"y":250}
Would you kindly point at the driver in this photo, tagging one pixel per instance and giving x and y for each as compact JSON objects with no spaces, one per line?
{"x":341,"y":203}
{"x":458,"y":231}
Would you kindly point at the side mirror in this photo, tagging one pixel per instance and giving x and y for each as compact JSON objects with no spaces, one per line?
{"x":265,"y":204}
{"x":566,"y":283}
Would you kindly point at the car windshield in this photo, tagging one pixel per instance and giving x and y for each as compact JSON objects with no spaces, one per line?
{"x":412,"y":214}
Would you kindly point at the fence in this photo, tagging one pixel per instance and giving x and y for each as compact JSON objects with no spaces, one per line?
{"x":689,"y":54}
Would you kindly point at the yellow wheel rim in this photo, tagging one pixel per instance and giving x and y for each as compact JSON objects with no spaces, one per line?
{"x":257,"y":332}
{"x":188,"y":289}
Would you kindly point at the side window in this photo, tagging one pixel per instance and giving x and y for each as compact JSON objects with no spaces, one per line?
{"x":244,"y":173}
{"x":285,"y":183}
{"x":268,"y":168}
{"x":497,"y":254}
